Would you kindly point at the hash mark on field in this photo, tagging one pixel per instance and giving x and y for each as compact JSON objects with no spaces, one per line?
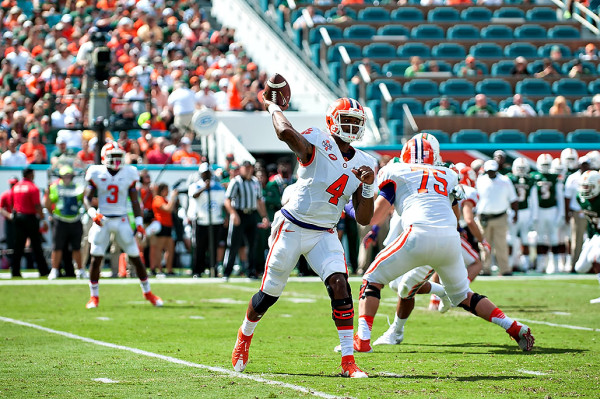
{"x":174,"y":360}
{"x":561,"y":313}
{"x":197,"y":317}
{"x":531,"y":372}
{"x":103,"y":318}
{"x":300,"y":300}
{"x":561,"y":325}
{"x":105,"y":380}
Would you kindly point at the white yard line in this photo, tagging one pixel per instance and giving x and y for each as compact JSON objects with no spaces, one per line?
{"x":530,"y":372}
{"x":174,"y":360}
{"x":105,"y":380}
{"x":560,"y":325}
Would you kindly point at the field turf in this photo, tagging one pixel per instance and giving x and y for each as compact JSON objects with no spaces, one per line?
{"x":52,"y":347}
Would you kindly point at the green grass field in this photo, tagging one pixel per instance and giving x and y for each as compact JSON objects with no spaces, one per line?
{"x":189,"y":343}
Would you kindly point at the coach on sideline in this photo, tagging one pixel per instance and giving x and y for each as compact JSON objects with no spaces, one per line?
{"x":497,"y":195}
{"x":28,"y":213}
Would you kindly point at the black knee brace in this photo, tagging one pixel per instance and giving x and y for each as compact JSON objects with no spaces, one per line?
{"x":261,"y":302}
{"x":342,"y":309}
{"x":475,"y":298}
{"x":367,"y":289}
{"x":542,"y":249}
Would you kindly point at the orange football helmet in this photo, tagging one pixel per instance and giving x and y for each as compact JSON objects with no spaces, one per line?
{"x":348,"y":132}
{"x":113,"y":156}
{"x":418,"y":151}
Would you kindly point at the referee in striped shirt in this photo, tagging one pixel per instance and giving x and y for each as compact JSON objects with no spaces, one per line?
{"x":242,"y":200}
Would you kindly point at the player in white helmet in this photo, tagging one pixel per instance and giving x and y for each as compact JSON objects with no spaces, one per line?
{"x":569,"y":158}
{"x":435,"y":145}
{"x":527,"y":213}
{"x":113,"y":183}
{"x":594,"y":159}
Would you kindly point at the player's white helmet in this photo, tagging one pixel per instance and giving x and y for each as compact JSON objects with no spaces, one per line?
{"x":589,"y":184}
{"x":543,"y":163}
{"x":594,"y":159}
{"x":569,"y":158}
{"x":348,"y":132}
{"x":112,"y":155}
{"x":417,"y":151}
{"x":435,"y":145}
{"x":557,"y":167}
{"x":467,"y":176}
{"x":520,"y":167}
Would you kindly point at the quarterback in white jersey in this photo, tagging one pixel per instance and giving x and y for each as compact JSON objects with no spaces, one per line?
{"x":113,"y":183}
{"x":420,"y":191}
{"x":331,"y":173}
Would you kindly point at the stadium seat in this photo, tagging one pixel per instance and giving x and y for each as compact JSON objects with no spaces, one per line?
{"x":393,"y":30}
{"x":457,"y":88}
{"x":486,"y":50}
{"x":507,"y":102}
{"x":533,"y":87}
{"x":379,"y":51}
{"x":359,"y":31}
{"x":538,"y":65}
{"x":530,"y":31}
{"x":494,"y":87}
{"x":442,"y":65}
{"x":594,"y":87}
{"x":395,"y":110}
{"x":395,"y":68}
{"x":445,"y":14}
{"x":333,"y":54}
{"x":410,"y":49}
{"x":541,"y":14}
{"x":314,"y":36}
{"x":375,"y":106}
{"x":569,"y":87}
{"x":509,"y":12}
{"x":159,"y":133}
{"x":497,"y":32}
{"x":427,"y":32}
{"x":544,"y":51}
{"x":373,"y":14}
{"x":582,"y":104}
{"x":134,"y":134}
{"x":420,"y":88}
{"x":456,"y":68}
{"x":393,"y":86}
{"x":502,"y":67}
{"x":434,"y":102}
{"x":407,"y":14}
{"x":468,"y":136}
{"x":563,"y":32}
{"x":440,"y":135}
{"x":589,"y":68}
{"x":335,"y":70}
{"x":352,"y":69}
{"x":517,"y":49}
{"x":396,"y":127}
{"x":546,"y":136}
{"x":462,"y":31}
{"x":351,"y":13}
{"x":471,"y":101}
{"x":508,"y":136}
{"x":583,"y":136}
{"x":448,"y":50}
{"x":479,"y":14}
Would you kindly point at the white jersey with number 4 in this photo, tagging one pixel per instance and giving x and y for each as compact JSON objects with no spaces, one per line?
{"x":421,"y":193}
{"x":112,"y":191}
{"x":326,"y":182}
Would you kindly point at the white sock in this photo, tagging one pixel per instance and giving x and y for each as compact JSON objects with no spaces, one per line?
{"x":363,"y":329}
{"x":398,"y":323}
{"x":248,"y":326}
{"x":542,"y":263}
{"x":437,"y":289}
{"x":503,"y":320}
{"x":94,"y":289}
{"x":525,"y":262}
{"x":145,"y":286}
{"x":346,"y":341}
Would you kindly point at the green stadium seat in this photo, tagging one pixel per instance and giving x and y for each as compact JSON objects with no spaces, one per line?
{"x":486,"y":50}
{"x":541,"y":14}
{"x":508,"y":136}
{"x":471,"y":101}
{"x":427,"y":32}
{"x":373,"y":14}
{"x":533,"y":87}
{"x":594,"y":87}
{"x":497,"y":32}
{"x":462,"y":31}
{"x":509,"y":12}
{"x":478,"y":14}
{"x":544,"y":51}
{"x":448,"y":50}
{"x":314,"y":36}
{"x":396,"y":111}
{"x":583,"y":136}
{"x":517,"y":49}
{"x":333,"y":54}
{"x":581,"y":104}
{"x":410,"y":49}
{"x":420,"y":88}
{"x":457,"y":87}
{"x":393,"y":86}
{"x":543,"y":106}
{"x":393,"y":30}
{"x":440,"y":135}
{"x":407,"y":14}
{"x":530,"y":31}
{"x":502,"y":67}
{"x":569,"y":87}
{"x":359,"y":31}
{"x":434,"y":102}
{"x":494,"y":87}
{"x":546,"y":136}
{"x":468,"y":136}
{"x":563,"y":32}
{"x":395,"y":68}
{"x":379,"y":51}
{"x":445,"y":14}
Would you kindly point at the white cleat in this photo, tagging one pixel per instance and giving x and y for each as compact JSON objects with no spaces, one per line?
{"x":390,"y":337}
{"x":53,"y":274}
{"x":445,"y":304}
{"x":81,"y":274}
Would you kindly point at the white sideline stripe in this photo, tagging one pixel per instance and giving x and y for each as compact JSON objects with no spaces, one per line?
{"x":561,"y":325}
{"x":105,"y":380}
{"x":531,"y":372}
{"x":170,"y":359}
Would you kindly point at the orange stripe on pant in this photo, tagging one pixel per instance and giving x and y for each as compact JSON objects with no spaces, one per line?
{"x":469,"y":249}
{"x":383,"y":255}
{"x":269,"y":255}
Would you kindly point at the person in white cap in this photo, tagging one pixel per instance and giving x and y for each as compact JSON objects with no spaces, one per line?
{"x":497,"y":195}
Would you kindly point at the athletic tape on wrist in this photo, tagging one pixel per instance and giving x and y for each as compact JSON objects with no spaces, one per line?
{"x":139,"y":221}
{"x":92,"y":212}
{"x":368,"y":190}
{"x":274,"y":108}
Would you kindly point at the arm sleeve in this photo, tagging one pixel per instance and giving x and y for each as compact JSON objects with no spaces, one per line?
{"x":388,"y":191}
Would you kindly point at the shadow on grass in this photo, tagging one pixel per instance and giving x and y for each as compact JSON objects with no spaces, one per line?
{"x":508,"y":349}
{"x":453,"y":378}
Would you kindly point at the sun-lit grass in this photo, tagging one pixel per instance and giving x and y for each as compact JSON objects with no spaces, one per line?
{"x":442,"y":356}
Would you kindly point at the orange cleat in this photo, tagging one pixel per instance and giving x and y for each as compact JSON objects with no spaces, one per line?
{"x":362,"y":345}
{"x":239,"y":357}
{"x":350,"y":369}
{"x":154,"y":299}
{"x":92,"y":303}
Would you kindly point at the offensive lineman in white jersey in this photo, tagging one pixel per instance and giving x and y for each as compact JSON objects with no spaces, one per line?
{"x":419,"y":191}
{"x":331,"y":172}
{"x":112,"y":182}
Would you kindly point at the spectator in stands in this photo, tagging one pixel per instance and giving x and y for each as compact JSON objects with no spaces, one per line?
{"x":313,"y":18}
{"x":560,"y":107}
{"x":62,"y":155}
{"x":185,"y":155}
{"x":70,"y":135}
{"x":555,"y":54}
{"x":340,"y":15}
{"x":158,"y":155}
{"x":519,"y":108}
{"x":579,"y":70}
{"x":86,"y":155}
{"x":432,"y":66}
{"x":358,"y":78}
{"x":470,"y":68}
{"x":520,"y":67}
{"x":416,"y":65}
{"x":182,"y":103}
{"x":590,"y":53}
{"x":33,"y":144}
{"x":13,"y":157}
{"x":548,"y":69}
{"x":444,"y":109}
{"x":592,"y":110}
{"x":205,"y":97}
{"x":481,"y":107}
{"x":163,"y":208}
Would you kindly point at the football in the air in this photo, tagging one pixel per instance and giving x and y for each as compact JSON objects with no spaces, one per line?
{"x":278,"y":90}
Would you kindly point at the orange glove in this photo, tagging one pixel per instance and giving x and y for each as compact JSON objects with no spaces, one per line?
{"x":96,"y":216}
{"x":139,"y":226}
